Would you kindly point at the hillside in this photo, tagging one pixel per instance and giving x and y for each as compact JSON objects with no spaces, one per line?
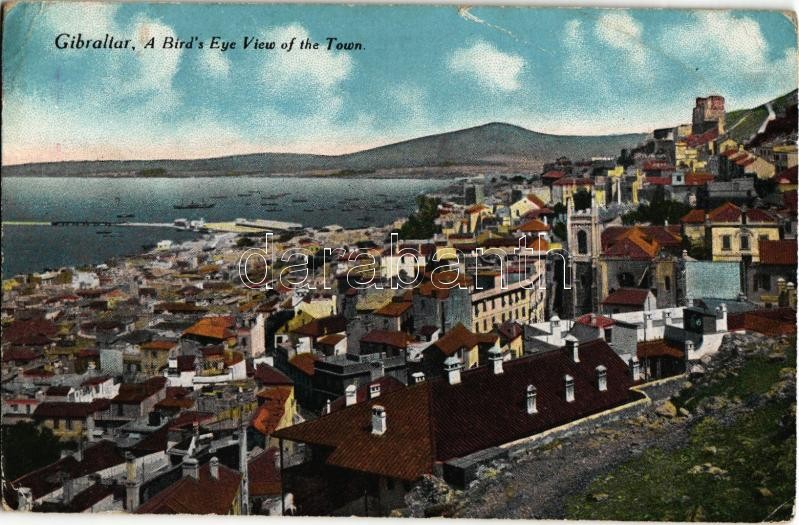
{"x":743,"y":124}
{"x":490,"y":144}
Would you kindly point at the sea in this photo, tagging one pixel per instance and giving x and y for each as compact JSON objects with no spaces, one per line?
{"x":31,"y":247}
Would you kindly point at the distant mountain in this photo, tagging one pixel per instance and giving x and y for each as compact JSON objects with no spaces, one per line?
{"x":494,"y":144}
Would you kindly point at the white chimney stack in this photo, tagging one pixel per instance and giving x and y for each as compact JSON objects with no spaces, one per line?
{"x":350,"y":395}
{"x":601,"y":378}
{"x":191,"y":468}
{"x":378,"y":420}
{"x":417,"y":377}
{"x":667,"y":317}
{"x":530,"y":397}
{"x":635,"y":369}
{"x":24,"y":499}
{"x":554,"y":329}
{"x":213,"y":467}
{"x":649,"y":326}
{"x":131,"y":483}
{"x":573,"y":348}
{"x":452,"y":368}
{"x":568,"y":382}
{"x":327,"y":406}
{"x":721,"y":318}
{"x":495,"y":357}
{"x":374,"y":390}
{"x":689,"y":348}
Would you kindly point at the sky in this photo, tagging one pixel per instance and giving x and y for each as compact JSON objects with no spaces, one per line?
{"x":422,"y":70}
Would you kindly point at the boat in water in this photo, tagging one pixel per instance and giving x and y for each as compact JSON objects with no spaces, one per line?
{"x":125,"y":215}
{"x":194,"y":205}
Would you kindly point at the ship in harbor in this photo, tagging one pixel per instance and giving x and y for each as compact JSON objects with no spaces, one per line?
{"x":202,"y":205}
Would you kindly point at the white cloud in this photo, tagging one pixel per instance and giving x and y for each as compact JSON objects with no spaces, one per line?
{"x":618,"y":29}
{"x":214,"y":62}
{"x":318,"y":69}
{"x":91,"y":19}
{"x":490,"y":67}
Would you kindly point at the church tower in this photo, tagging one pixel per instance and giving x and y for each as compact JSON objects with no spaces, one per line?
{"x":584,"y":245}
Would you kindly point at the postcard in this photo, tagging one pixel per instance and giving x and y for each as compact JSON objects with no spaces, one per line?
{"x":399,"y":261}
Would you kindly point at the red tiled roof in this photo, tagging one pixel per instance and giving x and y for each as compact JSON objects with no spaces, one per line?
{"x":727,"y":212}
{"x":600,"y":321}
{"x":787,"y":176}
{"x":394,"y":309}
{"x":757,"y":215}
{"x":693,"y":217}
{"x":778,"y":253}
{"x":271,"y":376}
{"x":627,"y":297}
{"x":135,"y":393}
{"x":534,"y":225}
{"x":263,"y":474}
{"x":770,"y":322}
{"x":273,"y":406}
{"x":458,"y":338}
{"x":69,"y":409}
{"x":218,"y":328}
{"x":434,"y":421}
{"x":326,"y":325}
{"x":32,"y":332}
{"x":45,"y":480}
{"x":304,"y":363}
{"x":204,"y":495}
{"x":387,"y":337}
{"x":659,"y":348}
{"x":553,"y":175}
{"x":387,"y":384}
{"x":572,"y":181}
{"x":658,"y":181}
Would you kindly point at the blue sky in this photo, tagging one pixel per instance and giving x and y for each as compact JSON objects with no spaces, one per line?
{"x":423,"y":70}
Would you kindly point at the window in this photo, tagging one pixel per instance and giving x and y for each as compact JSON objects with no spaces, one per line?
{"x":582,"y":242}
{"x":744,"y":242}
{"x":764,"y":280}
{"x":667,"y":283}
{"x":726,"y":243}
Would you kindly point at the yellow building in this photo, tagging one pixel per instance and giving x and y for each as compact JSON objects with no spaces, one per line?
{"x":732,"y":233}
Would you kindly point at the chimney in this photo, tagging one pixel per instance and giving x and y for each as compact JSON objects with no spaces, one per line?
{"x":131,"y":483}
{"x":601,"y":378}
{"x":530,"y":397}
{"x":649,"y":326}
{"x":191,"y":467}
{"x":667,"y":317}
{"x":689,"y":300}
{"x":67,"y":487}
{"x":213,"y":467}
{"x":554,"y":329}
{"x":635,"y":368}
{"x":573,"y":348}
{"x":24,"y":499}
{"x":378,"y":420}
{"x":374,"y":390}
{"x":495,"y":357}
{"x":689,"y":348}
{"x":452,"y":368}
{"x":568,"y":382}
{"x":350,"y":395}
{"x":90,"y":428}
{"x":721,"y":318}
{"x":327,"y":406}
{"x":417,"y":377}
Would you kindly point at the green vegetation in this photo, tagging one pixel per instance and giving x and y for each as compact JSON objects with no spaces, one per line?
{"x":152,"y":172}
{"x":657,"y":211}
{"x":744,"y":471}
{"x":421,"y":225}
{"x":754,"y":378}
{"x":26,"y":448}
